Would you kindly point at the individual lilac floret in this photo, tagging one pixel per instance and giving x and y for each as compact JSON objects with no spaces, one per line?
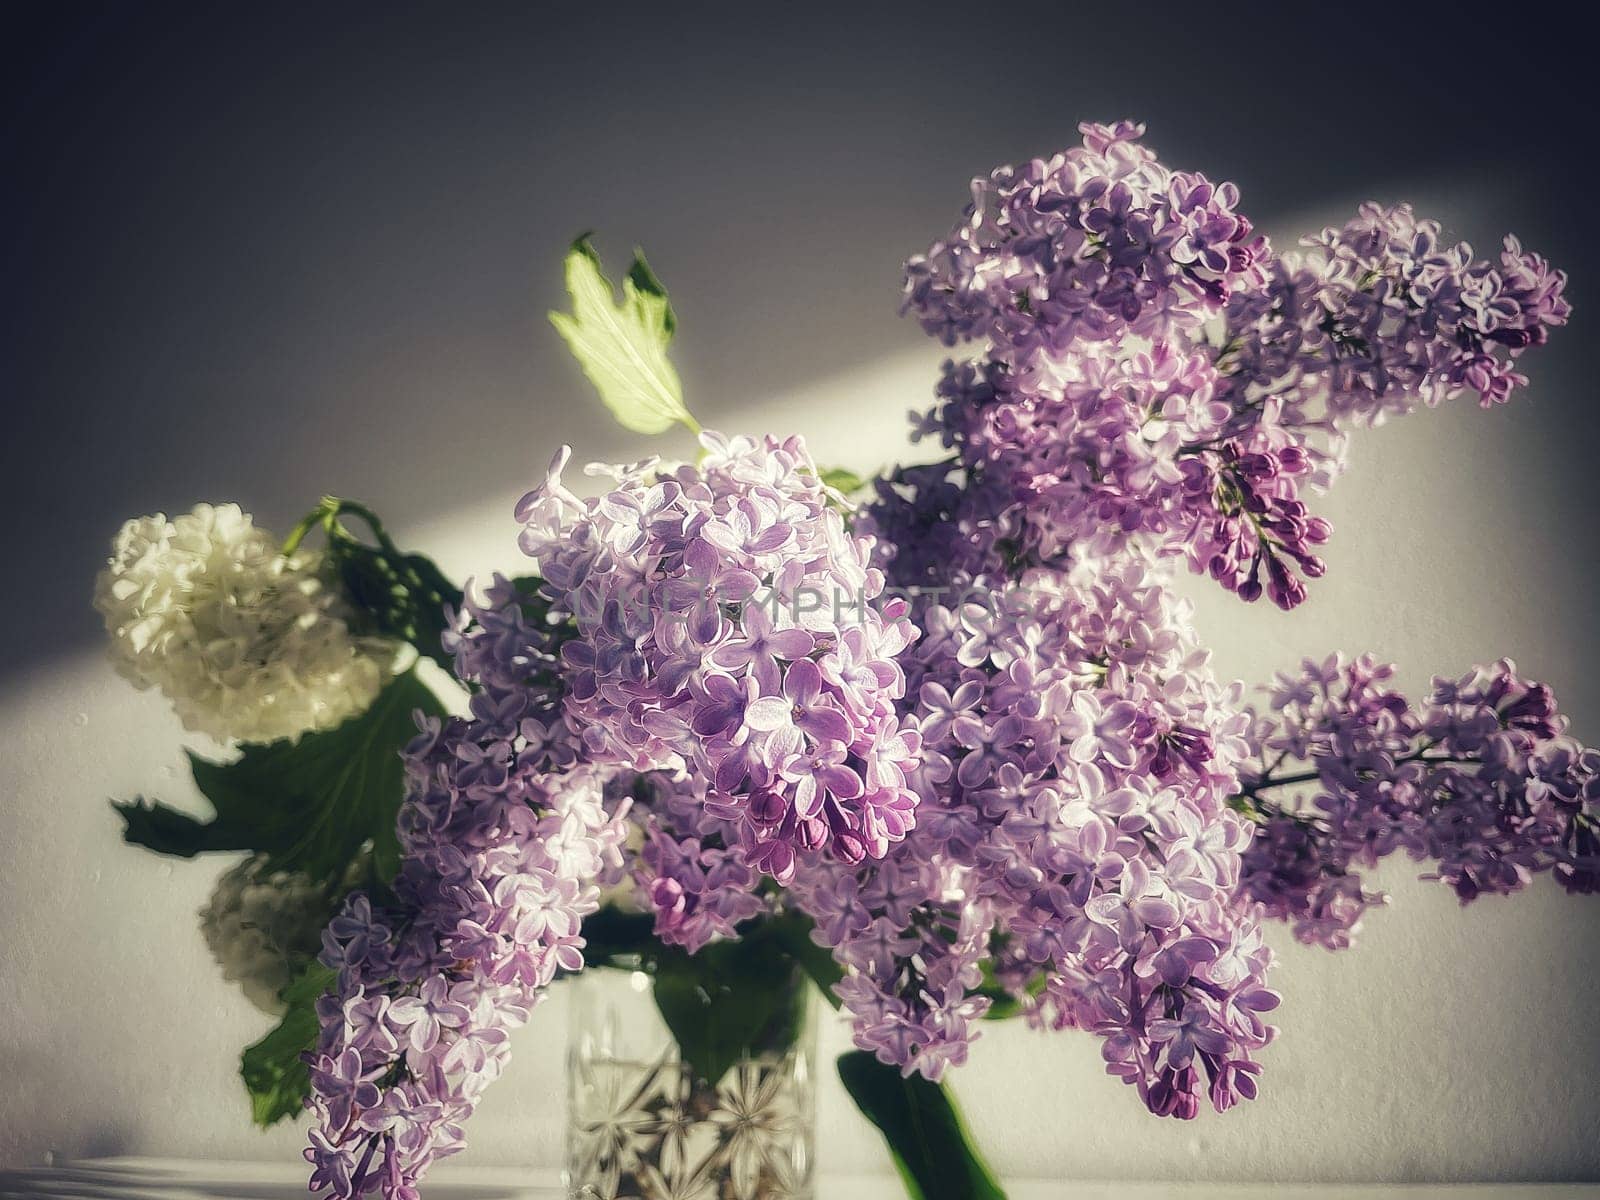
{"x":1482,"y":780}
{"x":1073,"y":826}
{"x":728,"y":625}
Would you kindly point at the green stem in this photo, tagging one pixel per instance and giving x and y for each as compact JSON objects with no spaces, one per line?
{"x":402,"y":595}
{"x":1267,"y":780}
{"x":298,"y":534}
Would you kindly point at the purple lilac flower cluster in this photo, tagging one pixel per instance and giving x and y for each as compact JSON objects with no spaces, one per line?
{"x":1026,"y":787}
{"x":1089,"y":245}
{"x":1078,"y":757}
{"x":507,"y":842}
{"x":1104,"y":414}
{"x":728,"y":625}
{"x":1379,"y":317}
{"x":1481,"y":780}
{"x":689,"y":871}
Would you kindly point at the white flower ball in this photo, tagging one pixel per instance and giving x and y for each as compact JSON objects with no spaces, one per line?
{"x":262,"y":927}
{"x":245,"y":642}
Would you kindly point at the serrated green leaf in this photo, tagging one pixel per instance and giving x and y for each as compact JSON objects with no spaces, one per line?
{"x":648,"y":283}
{"x":272,"y":1070}
{"x":623,"y":348}
{"x":166,"y":830}
{"x":308,"y":805}
{"x":319,"y":799}
{"x":919,"y":1120}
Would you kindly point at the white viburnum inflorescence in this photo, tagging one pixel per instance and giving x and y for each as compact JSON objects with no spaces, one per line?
{"x":247,"y":643}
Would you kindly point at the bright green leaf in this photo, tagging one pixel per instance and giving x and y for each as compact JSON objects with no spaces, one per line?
{"x":273,"y":1073}
{"x":841,"y":480}
{"x":623,"y":348}
{"x":919,"y":1120}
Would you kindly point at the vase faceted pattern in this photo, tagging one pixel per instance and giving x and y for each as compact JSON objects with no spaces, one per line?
{"x":643,"y":1123}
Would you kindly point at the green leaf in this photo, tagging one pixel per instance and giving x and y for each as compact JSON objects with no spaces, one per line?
{"x":166,"y":830}
{"x":623,"y":348}
{"x":395,"y":594}
{"x":841,"y":480}
{"x":308,"y":805}
{"x":273,"y":1073}
{"x":793,"y":932}
{"x":404,"y":596}
{"x":730,"y":1000}
{"x":1004,"y":1004}
{"x":611,"y":934}
{"x":929,"y":1141}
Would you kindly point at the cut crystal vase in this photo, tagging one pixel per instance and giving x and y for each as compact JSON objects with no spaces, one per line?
{"x":646,"y":1120}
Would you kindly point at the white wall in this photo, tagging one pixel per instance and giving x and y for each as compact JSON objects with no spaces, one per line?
{"x":264,"y":251}
{"x":1450,"y":1044}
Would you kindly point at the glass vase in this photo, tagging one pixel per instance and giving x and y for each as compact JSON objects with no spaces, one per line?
{"x":646,"y":1120}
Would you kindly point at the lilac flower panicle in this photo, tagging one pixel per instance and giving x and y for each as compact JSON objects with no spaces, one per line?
{"x":729,"y":626}
{"x":1482,"y":780}
{"x":1073,"y":828}
{"x":1108,"y":414}
{"x":1083,"y":246}
{"x":507,"y":840}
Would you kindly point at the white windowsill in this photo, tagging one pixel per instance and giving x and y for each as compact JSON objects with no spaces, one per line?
{"x":176,"y":1179}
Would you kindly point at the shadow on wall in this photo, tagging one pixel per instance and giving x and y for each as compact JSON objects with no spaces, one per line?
{"x":261,"y":255}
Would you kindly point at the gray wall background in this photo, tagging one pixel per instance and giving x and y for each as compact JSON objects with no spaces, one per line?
{"x":261,"y":255}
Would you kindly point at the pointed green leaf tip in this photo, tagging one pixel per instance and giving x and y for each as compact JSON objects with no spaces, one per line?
{"x":272,"y":1070}
{"x":842,"y":480}
{"x":623,"y":349}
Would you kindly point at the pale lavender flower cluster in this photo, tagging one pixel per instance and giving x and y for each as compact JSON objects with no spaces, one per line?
{"x":1382,"y":315}
{"x":1104,"y":416}
{"x":688,"y":870}
{"x":1481,"y":780}
{"x":507,"y":845}
{"x":1379,"y":317}
{"x":1093,"y":243}
{"x":1078,"y":758}
{"x":728,"y":625}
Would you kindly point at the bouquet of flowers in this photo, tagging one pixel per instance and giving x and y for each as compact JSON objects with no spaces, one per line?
{"x":945,"y":740}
